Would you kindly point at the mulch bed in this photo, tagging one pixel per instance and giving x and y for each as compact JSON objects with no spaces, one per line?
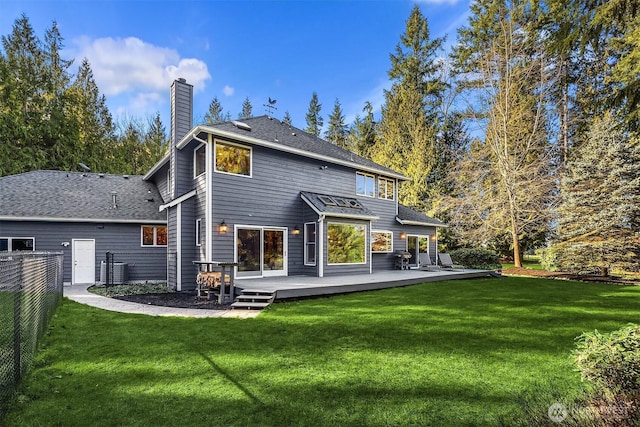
{"x":183,"y":299}
{"x":519,"y":271}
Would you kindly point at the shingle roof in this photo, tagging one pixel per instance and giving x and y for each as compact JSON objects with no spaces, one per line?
{"x":70,"y":196}
{"x":285,"y":137}
{"x":336,"y":206}
{"x":408,"y":216}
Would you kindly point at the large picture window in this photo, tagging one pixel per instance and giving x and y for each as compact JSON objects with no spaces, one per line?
{"x":233,"y":159}
{"x":386,"y":188}
{"x":17,"y":244}
{"x":310,"y":243}
{"x":154,"y":235}
{"x":365,"y":185}
{"x":381,"y":241}
{"x":346,"y":243}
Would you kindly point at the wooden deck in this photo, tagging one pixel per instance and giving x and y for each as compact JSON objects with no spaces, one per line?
{"x":306,"y":286}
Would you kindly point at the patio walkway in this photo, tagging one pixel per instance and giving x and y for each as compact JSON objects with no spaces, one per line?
{"x":79,"y":293}
{"x":287,"y":287}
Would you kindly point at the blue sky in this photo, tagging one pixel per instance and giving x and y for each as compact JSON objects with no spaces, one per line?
{"x":285,"y":50}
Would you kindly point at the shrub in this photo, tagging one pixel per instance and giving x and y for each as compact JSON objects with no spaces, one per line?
{"x":611,"y":364}
{"x":548,"y":258}
{"x":481,"y":259}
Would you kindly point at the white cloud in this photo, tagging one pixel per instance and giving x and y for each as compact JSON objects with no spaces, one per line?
{"x":228,"y":90}
{"x":127,"y":65}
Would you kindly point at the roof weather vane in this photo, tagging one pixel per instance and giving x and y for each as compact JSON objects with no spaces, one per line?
{"x":270,"y":106}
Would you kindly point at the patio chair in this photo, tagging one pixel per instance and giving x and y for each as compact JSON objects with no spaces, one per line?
{"x":425,"y":263}
{"x":446,"y":262}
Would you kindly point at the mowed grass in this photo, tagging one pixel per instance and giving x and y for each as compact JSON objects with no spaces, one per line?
{"x":445,"y":354}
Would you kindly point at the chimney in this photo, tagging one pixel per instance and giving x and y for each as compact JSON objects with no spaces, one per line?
{"x":181,"y":124}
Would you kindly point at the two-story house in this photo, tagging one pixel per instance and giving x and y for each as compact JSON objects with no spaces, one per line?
{"x":278,"y":201}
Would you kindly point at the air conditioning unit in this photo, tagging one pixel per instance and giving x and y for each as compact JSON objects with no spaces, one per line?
{"x":118,"y":273}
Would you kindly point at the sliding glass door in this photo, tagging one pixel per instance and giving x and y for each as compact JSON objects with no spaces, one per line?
{"x":261,"y":251}
{"x":417,"y":245}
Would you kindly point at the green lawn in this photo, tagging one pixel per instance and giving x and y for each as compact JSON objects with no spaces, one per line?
{"x":450,"y":353}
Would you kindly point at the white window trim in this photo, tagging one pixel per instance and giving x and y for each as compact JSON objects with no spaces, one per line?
{"x":195,"y":156}
{"x":215,"y":169}
{"x":382,"y":231}
{"x":308,"y":242}
{"x":10,"y":239}
{"x":387,"y":180}
{"x":155,"y":236}
{"x":366,"y":175}
{"x":365,"y":243}
{"x":198,"y":231}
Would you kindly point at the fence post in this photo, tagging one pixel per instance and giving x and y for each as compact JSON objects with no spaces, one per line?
{"x":107,"y":269}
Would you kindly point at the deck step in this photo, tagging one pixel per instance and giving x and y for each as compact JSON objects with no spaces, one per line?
{"x":254,"y":299}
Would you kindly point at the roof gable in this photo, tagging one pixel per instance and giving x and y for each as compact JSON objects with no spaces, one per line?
{"x":75,"y":196}
{"x":270,"y":132}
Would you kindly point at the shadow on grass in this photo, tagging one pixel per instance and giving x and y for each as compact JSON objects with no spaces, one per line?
{"x":452,"y":353}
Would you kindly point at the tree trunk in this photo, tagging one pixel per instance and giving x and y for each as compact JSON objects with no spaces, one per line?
{"x":517,"y":257}
{"x":604,"y":271}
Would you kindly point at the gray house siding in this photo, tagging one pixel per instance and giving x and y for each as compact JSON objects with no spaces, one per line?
{"x":124,"y":240}
{"x":181,"y":123}
{"x":271,"y":197}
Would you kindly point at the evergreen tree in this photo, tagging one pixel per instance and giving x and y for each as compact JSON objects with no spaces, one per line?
{"x":313,"y":117}
{"x":22,"y":102}
{"x":362,"y":134}
{"x":409,"y":122}
{"x":287,"y":118}
{"x":246,"y":109}
{"x":215,"y":113}
{"x":599,"y":225}
{"x":96,"y":135}
{"x":336,"y":132}
{"x":156,"y":142}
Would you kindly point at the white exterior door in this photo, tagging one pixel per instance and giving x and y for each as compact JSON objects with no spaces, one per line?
{"x":261,"y":251}
{"x":83,"y":261}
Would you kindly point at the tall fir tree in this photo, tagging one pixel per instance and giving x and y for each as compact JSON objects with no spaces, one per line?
{"x":409,"y":122}
{"x":362,"y":133}
{"x":215,"y":113}
{"x":246,"y":109}
{"x":313,"y":118}
{"x":287,"y":118}
{"x":156,"y":142}
{"x":599,"y":223}
{"x":23,"y":87}
{"x":96,"y":133}
{"x":337,"y":130}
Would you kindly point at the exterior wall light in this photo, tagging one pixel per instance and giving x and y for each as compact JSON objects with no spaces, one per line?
{"x":296,"y":230}
{"x":403,"y":235}
{"x":223,"y":228}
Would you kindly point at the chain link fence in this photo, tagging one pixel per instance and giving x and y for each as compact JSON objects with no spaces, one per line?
{"x":30,"y":292}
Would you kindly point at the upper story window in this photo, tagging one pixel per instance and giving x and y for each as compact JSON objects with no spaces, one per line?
{"x":365,"y":185}
{"x":17,"y":244}
{"x":386,"y":188}
{"x":154,"y":235}
{"x":232,"y":158}
{"x":200,"y":160}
